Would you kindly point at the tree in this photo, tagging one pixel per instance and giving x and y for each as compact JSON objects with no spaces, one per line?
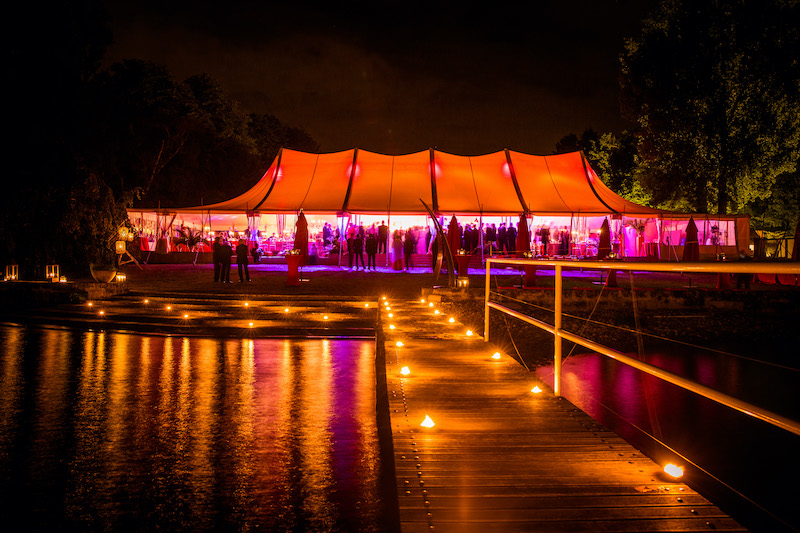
{"x":613,"y":157}
{"x":616,"y":160}
{"x":571,"y":142}
{"x":714,"y":89}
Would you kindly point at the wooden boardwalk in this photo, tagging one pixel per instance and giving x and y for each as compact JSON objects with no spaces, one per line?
{"x":502,"y":458}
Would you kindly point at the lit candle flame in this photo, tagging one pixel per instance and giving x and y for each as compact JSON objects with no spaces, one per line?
{"x":496,"y":355}
{"x":536,"y":389}
{"x":469,"y":333}
{"x":673,"y":470}
{"x":399,"y":344}
{"x":427,"y":423}
{"x":452,"y":320}
{"x":391,"y":326}
{"x":405,"y":371}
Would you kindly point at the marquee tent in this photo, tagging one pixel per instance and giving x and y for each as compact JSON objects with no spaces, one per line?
{"x":358,"y":181}
{"x":501,"y":184}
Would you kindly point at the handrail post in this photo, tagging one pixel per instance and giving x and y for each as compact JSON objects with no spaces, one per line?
{"x":557,"y":335}
{"x":486,"y":303}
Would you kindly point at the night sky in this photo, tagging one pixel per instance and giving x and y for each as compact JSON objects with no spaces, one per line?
{"x":395,"y":77}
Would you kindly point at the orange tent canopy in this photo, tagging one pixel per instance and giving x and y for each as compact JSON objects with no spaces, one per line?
{"x":501,"y":183}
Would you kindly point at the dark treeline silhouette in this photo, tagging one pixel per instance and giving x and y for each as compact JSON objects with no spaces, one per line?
{"x":86,"y":142}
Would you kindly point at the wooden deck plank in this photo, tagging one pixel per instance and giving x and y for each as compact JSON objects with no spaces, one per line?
{"x":503,"y":459}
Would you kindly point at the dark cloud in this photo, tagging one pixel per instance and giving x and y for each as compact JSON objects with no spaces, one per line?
{"x":399,"y":77}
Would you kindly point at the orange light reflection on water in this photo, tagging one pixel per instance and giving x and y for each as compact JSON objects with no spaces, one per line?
{"x":207,"y":432}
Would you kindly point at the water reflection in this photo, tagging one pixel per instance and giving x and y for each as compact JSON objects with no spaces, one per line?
{"x":751,"y":457}
{"x":109,"y":431}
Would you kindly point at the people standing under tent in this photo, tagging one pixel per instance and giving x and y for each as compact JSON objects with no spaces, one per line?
{"x":428,"y":236}
{"x":408,"y":247}
{"x":511,"y":238}
{"x":327,"y":236}
{"x":371,"y":246}
{"x":501,"y":238}
{"x":544,"y":234}
{"x":397,"y":250}
{"x":383,"y":236}
{"x":255,"y":251}
{"x":241,"y":260}
{"x":225,"y":257}
{"x":466,"y":238}
{"x":351,"y":244}
{"x":491,"y":236}
{"x":476,"y":237}
{"x":563,"y":247}
{"x":216,"y":256}
{"x":358,"y":249}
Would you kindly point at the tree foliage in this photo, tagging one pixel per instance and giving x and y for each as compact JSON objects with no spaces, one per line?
{"x":614,"y":157}
{"x":714,"y":89}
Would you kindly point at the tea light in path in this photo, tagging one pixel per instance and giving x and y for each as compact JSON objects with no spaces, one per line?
{"x":673,"y":470}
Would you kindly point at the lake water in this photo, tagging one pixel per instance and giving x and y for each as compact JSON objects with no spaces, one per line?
{"x":105,"y":431}
{"x":755,"y":460}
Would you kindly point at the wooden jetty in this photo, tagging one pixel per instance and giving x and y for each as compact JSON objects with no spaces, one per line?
{"x":503,"y":458}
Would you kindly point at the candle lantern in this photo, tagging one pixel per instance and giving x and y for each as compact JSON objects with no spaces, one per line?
{"x":121,"y":277}
{"x":12,"y":272}
{"x":51,"y":273}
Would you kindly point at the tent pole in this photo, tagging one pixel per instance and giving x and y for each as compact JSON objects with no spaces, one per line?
{"x":480,"y":229}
